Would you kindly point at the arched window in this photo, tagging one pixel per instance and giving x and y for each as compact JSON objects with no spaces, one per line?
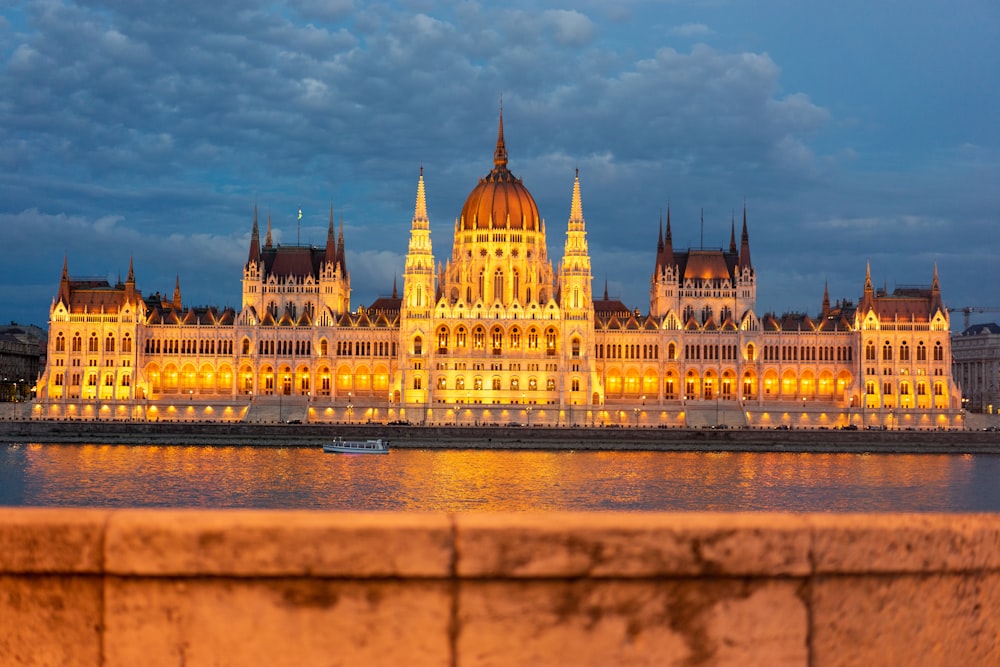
{"x":550,"y":384}
{"x":672,"y":351}
{"x":516,"y":286}
{"x":515,"y":384}
{"x":750,"y":352}
{"x":870,"y":351}
{"x":515,"y":338}
{"x":938,"y":352}
{"x":460,"y":383}
{"x":323,"y":348}
{"x":921,"y":351}
{"x":460,"y":337}
{"x":92,"y":344}
{"x":498,"y":285}
{"x":478,"y":338}
{"x":442,"y":337}
{"x":442,"y":382}
{"x":496,"y":384}
{"x":904,"y":351}
{"x":246,"y":346}
{"x":887,"y":352}
{"x":418,"y":345}
{"x":496,"y":340}
{"x":575,"y":347}
{"x":109,"y":343}
{"x":77,"y":343}
{"x":60,"y":343}
{"x":532,"y":338}
{"x":550,"y":341}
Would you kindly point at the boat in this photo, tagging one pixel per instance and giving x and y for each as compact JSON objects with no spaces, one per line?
{"x":370,"y":446}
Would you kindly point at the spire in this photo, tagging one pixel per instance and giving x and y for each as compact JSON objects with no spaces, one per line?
{"x":745,"y":262}
{"x":659,"y":242}
{"x":500,"y":154}
{"x":605,"y":288}
{"x":330,"y":256}
{"x":267,"y":239}
{"x":177,"y":293}
{"x":130,"y":283}
{"x":341,"y":255}
{"x":576,"y":207}
{"x":826,"y":301}
{"x":668,"y":243}
{"x":254,"y":255}
{"x":732,"y":234}
{"x":64,"y":283}
{"x":420,"y":208}
{"x":395,"y":294}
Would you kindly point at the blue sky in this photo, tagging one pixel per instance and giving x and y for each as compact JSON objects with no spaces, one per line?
{"x":855,"y":132}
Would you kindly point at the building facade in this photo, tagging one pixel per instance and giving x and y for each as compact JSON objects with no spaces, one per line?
{"x":976,"y":356}
{"x":499,"y":334}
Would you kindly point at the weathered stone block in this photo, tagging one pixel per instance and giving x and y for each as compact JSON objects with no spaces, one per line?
{"x":52,"y":540}
{"x":276,"y":622}
{"x":631,"y":623}
{"x":50,"y":620}
{"x":274,"y":543}
{"x":927,"y":620}
{"x":631,"y":545}
{"x":892,"y":543}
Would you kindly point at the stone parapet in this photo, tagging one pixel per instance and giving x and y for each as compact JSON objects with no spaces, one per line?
{"x":92,"y":588}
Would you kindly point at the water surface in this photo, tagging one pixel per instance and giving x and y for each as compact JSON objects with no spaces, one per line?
{"x":492,"y":480}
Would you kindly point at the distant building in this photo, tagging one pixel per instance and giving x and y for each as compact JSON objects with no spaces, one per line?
{"x":22,"y":358}
{"x":976,"y":367}
{"x":498,"y":334}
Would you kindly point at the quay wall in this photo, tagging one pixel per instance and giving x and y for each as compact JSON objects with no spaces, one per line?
{"x":503,"y":437}
{"x":110,"y":588}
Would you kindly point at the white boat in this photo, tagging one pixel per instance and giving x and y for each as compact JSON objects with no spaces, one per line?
{"x":371,"y":446}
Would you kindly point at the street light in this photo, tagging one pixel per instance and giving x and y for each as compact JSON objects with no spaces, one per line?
{"x":636,"y":411}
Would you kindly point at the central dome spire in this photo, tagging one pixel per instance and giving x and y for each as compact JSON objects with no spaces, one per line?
{"x":500,"y":154}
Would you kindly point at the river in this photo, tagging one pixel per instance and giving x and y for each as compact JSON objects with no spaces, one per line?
{"x":493,"y":480}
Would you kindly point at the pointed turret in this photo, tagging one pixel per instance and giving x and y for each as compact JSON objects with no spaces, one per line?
{"x":732,"y":234}
{"x":574,"y":288}
{"x":63,"y":295}
{"x":341,"y":253}
{"x":936,"y":302}
{"x":826,"y":301}
{"x":130,"y":294}
{"x":267,"y":240}
{"x":254,"y":255}
{"x":331,"y":243}
{"x":668,"y":243}
{"x":745,"y":262}
{"x":500,"y":154}
{"x":418,"y":272}
{"x":177,"y":294}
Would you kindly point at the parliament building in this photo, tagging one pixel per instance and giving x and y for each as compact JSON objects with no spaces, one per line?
{"x":499,"y":334}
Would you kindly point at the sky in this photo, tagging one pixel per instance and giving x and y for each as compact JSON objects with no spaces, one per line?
{"x":853,"y":133}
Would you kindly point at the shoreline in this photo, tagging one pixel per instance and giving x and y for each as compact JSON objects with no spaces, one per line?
{"x":820,"y":441}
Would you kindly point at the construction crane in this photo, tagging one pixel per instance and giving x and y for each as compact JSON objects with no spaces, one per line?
{"x":968,"y":310}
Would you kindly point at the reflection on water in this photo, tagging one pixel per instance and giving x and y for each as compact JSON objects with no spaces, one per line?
{"x":492,"y":480}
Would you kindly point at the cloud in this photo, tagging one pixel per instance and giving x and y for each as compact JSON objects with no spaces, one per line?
{"x":692,"y":30}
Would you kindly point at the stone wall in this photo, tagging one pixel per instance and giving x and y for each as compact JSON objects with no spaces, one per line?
{"x":164,"y":587}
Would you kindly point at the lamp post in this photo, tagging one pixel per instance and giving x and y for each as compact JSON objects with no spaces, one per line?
{"x":527,"y":412}
{"x":636,"y":411}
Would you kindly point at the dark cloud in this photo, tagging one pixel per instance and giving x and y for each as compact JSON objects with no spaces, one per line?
{"x":149,"y":129}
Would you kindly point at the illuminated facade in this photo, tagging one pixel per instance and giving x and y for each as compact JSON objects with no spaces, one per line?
{"x":499,"y":335}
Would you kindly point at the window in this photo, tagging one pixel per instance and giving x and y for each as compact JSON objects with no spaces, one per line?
{"x":938,"y":352}
{"x":92,"y":345}
{"x":550,"y":341}
{"x":750,"y":352}
{"x":60,"y":343}
{"x":460,"y":337}
{"x":921,"y":351}
{"x":574,"y":384}
{"x":418,"y":345}
{"x":460,"y":383}
{"x":887,"y":352}
{"x":126,"y":380}
{"x":442,"y":382}
{"x":515,"y":384}
{"x":533,"y":339}
{"x":109,"y":343}
{"x":550,"y":385}
{"x":870,"y":351}
{"x":498,"y":284}
{"x":496,"y":384}
{"x":417,"y":384}
{"x":515,"y":338}
{"x":478,"y":338}
{"x":904,"y":352}
{"x":77,"y":343}
{"x":575,"y":347}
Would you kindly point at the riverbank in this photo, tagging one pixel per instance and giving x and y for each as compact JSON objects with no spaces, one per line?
{"x":504,"y":437}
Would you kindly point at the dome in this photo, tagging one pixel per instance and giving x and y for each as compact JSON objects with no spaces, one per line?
{"x":500,"y":196}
